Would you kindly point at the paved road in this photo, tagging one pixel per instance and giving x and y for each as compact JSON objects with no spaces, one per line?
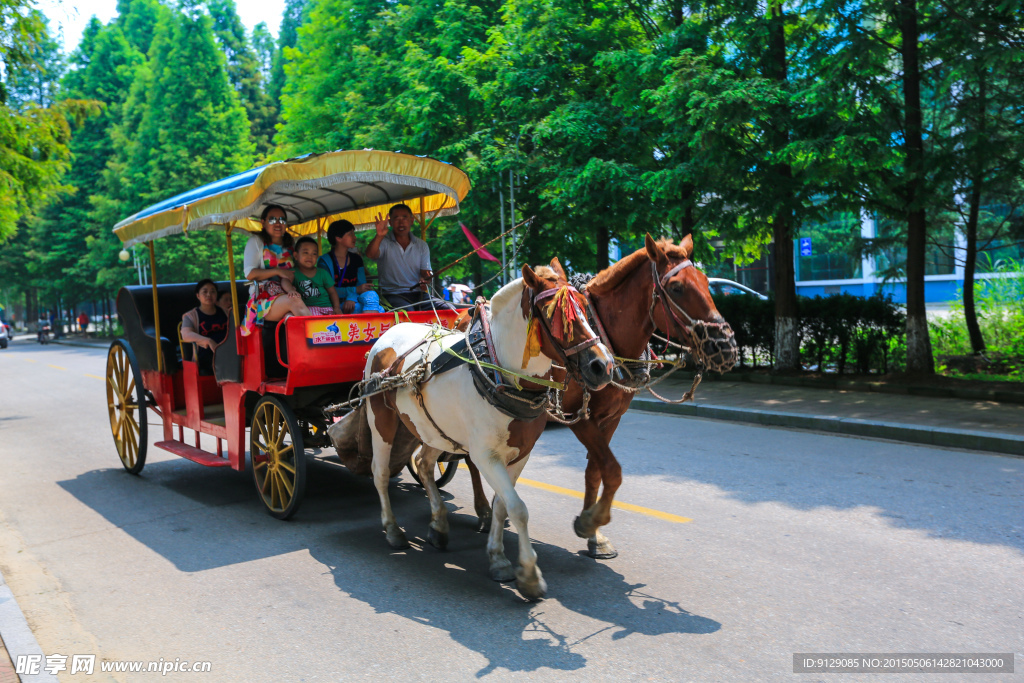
{"x":798,"y":542}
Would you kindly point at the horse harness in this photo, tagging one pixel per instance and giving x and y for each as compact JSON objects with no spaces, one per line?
{"x":476,"y":350}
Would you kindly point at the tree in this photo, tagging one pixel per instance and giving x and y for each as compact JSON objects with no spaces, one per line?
{"x":980,"y":110}
{"x":77,"y":248}
{"x":182,"y":125}
{"x":364,"y":74}
{"x":138,"y":20}
{"x":34,"y":129}
{"x":244,"y":72}
{"x":263,"y":45}
{"x":759,"y":138}
{"x":293,"y":18}
{"x":883,"y":51}
{"x":555,"y":120}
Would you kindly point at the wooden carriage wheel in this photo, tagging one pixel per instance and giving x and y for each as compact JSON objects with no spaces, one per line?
{"x":126,"y":403}
{"x":278,"y":457}
{"x":445,"y":470}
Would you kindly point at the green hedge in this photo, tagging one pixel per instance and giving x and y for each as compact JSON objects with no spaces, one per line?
{"x":838,"y":333}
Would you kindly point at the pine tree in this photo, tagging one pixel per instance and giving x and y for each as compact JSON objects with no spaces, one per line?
{"x":183,"y":125}
{"x":244,"y":72}
{"x":263,"y":45}
{"x":293,"y":18}
{"x":138,"y":20}
{"x":34,"y":130}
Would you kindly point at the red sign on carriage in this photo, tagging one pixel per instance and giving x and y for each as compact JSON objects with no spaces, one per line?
{"x":363,"y":328}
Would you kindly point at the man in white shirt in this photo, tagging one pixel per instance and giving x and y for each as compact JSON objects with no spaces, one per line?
{"x":403,"y":260}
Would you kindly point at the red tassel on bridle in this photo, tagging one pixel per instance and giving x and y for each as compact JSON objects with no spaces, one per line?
{"x":562,"y":312}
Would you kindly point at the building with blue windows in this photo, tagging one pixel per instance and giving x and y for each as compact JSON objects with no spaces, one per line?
{"x":827,"y":260}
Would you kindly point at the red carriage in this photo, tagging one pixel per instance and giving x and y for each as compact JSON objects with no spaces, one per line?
{"x":275,"y":382}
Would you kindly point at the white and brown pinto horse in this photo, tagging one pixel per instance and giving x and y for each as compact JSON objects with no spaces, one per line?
{"x":448,"y":413}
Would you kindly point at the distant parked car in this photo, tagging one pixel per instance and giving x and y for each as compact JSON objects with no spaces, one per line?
{"x":5,"y":335}
{"x":721,"y":287}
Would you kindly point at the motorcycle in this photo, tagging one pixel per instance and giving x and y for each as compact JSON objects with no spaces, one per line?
{"x":44,"y":334}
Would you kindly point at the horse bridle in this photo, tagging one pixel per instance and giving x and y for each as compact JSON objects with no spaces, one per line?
{"x":698,"y":331}
{"x":536,"y":310}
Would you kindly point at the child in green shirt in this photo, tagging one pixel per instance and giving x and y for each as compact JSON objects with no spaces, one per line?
{"x":314,"y":284}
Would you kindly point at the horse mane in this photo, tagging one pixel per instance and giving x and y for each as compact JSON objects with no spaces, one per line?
{"x":546,"y":272}
{"x":612,"y":276}
{"x":512,"y":289}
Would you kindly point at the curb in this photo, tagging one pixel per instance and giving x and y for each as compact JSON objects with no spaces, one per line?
{"x":18,"y":637}
{"x":838,"y":384}
{"x":893,"y":431}
{"x":84,"y":344}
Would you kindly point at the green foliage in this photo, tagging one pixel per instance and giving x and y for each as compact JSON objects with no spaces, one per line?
{"x":244,"y":72}
{"x":1000,"y":304}
{"x":138,"y":20}
{"x":753,"y":322}
{"x":34,"y":129}
{"x":263,"y":45}
{"x":838,"y":332}
{"x":294,"y":15}
{"x":841,"y":329}
{"x":740,"y":122}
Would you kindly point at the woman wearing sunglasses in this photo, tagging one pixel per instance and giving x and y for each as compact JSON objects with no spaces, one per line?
{"x":269,"y":267}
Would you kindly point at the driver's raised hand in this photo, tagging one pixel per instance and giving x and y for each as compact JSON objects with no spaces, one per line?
{"x":381,"y":225}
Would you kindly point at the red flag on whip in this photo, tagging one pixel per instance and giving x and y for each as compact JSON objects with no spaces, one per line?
{"x":477,"y":245}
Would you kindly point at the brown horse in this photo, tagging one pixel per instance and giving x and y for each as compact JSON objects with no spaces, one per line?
{"x":655,"y":288}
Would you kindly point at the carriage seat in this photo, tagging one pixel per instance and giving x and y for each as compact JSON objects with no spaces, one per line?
{"x":135,"y":310}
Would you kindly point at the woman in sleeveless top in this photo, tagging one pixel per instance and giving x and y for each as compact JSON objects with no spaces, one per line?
{"x":269,"y":267}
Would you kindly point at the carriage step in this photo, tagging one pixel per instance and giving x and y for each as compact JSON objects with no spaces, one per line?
{"x":192,"y":453}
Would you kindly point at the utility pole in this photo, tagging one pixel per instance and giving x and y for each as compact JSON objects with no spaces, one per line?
{"x":512,"y":215}
{"x":504,"y":262}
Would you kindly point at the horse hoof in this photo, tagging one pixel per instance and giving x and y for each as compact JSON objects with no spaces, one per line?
{"x":582,"y":529}
{"x":396,"y":539}
{"x":437,"y":538}
{"x":601,"y":551}
{"x":483,"y":523}
{"x":503,"y":573}
{"x":532,"y":590}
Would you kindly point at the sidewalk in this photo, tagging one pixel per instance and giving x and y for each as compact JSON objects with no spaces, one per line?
{"x":978,"y":425}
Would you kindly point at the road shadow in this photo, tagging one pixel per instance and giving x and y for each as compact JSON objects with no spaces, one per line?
{"x":946,"y":493}
{"x":201,"y":518}
{"x":451,"y":591}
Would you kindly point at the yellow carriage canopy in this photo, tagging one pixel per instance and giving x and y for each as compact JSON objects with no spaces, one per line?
{"x":314,"y":190}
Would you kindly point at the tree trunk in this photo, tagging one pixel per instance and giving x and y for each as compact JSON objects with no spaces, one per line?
{"x":971,"y":230}
{"x":787,"y":337}
{"x":970,"y":312}
{"x":787,"y":332}
{"x":677,"y":13}
{"x":919,"y":347}
{"x":603,"y":238}
{"x":687,"y":224}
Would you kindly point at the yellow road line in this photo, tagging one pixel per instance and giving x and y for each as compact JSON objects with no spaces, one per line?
{"x":658,"y":514}
{"x":57,"y":367}
{"x":30,"y":360}
{"x":102,"y":379}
